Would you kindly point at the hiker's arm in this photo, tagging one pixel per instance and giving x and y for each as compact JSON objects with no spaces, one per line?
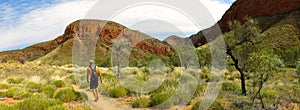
{"x":100,"y":75}
{"x":87,"y":75}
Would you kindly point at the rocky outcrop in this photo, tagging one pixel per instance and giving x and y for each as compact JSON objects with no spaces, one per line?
{"x":102,"y":31}
{"x":270,"y":9}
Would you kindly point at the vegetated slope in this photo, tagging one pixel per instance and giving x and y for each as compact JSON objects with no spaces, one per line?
{"x":59,"y":50}
{"x":268,"y":12}
{"x":279,"y":20}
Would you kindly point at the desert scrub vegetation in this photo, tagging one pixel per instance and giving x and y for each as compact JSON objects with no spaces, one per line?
{"x":48,"y":90}
{"x":14,"y":91}
{"x":33,"y":87}
{"x":14,"y":80}
{"x":5,"y":107}
{"x":140,"y":102}
{"x":117,"y":91}
{"x":37,"y":102}
{"x":160,"y":100}
{"x":66,"y":94}
{"x":57,"y":107}
{"x":4,"y":86}
{"x":59,"y":83}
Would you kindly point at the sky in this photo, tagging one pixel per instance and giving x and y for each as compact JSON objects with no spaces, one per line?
{"x":26,"y":22}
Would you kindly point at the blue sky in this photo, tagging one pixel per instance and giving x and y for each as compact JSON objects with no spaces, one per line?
{"x":26,"y":22}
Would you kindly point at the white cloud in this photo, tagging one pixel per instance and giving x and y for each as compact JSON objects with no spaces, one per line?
{"x":43,"y":24}
{"x":49,"y":22}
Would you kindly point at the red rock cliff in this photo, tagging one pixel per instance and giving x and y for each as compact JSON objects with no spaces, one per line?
{"x":248,"y":8}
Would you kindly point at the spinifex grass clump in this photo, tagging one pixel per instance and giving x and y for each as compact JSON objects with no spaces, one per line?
{"x":160,"y":100}
{"x":57,"y":107}
{"x":5,"y":86}
{"x":66,"y":95}
{"x":48,"y":90}
{"x":14,"y":80}
{"x":5,"y":107}
{"x":117,"y":91}
{"x":59,"y":83}
{"x":37,"y":102}
{"x":14,"y":91}
{"x":140,"y":102}
{"x":32,"y":86}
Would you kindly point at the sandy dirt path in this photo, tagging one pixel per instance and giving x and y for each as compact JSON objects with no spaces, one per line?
{"x":104,"y":102}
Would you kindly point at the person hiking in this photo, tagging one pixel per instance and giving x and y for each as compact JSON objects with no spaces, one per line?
{"x":93,"y":74}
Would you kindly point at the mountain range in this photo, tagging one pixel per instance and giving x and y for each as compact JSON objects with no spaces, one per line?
{"x":277,"y":18}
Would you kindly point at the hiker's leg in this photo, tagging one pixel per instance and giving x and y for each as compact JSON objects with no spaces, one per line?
{"x":96,"y":90}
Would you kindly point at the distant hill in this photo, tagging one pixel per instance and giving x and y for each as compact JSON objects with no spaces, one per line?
{"x":59,"y":50}
{"x":268,"y":12}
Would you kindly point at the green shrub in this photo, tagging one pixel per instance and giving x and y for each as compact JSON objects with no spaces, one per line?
{"x":199,"y":89}
{"x":117,"y":91}
{"x":267,"y":93}
{"x":243,"y":103}
{"x":14,"y":81}
{"x":48,"y":90}
{"x":5,"y":107}
{"x":83,"y":109}
{"x":161,"y":100}
{"x":81,"y":96}
{"x":181,"y":98}
{"x":59,"y":83}
{"x":14,"y":91}
{"x":5,"y":86}
{"x":140,"y":102}
{"x":2,"y":94}
{"x":84,"y":85}
{"x":37,"y":102}
{"x":71,"y":79}
{"x":215,"y":106}
{"x":196,"y":105}
{"x":57,"y":107}
{"x":229,"y":86}
{"x":66,"y":95}
{"x":32,"y":86}
{"x":22,"y":95}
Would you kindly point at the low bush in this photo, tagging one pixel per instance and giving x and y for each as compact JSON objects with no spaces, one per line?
{"x":3,"y":94}
{"x":14,"y":81}
{"x":59,"y":83}
{"x":181,"y":98}
{"x":199,"y":89}
{"x":57,"y":107}
{"x":4,"y":86}
{"x":160,"y":100}
{"x":229,"y":86}
{"x":5,"y":107}
{"x":22,"y":95}
{"x":37,"y":102}
{"x":71,"y":79}
{"x":140,"y":102}
{"x":14,"y":91}
{"x":267,"y":93}
{"x":81,"y":96}
{"x":66,"y":95}
{"x":32,"y":86}
{"x":84,"y":85}
{"x":215,"y":106}
{"x":48,"y":90}
{"x":117,"y":91}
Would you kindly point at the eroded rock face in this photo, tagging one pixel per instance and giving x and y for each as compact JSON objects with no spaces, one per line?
{"x":107,"y":31}
{"x":241,"y":9}
{"x":100,"y":31}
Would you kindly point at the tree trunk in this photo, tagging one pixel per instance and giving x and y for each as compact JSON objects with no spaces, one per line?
{"x":241,"y":71}
{"x":244,"y":92}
